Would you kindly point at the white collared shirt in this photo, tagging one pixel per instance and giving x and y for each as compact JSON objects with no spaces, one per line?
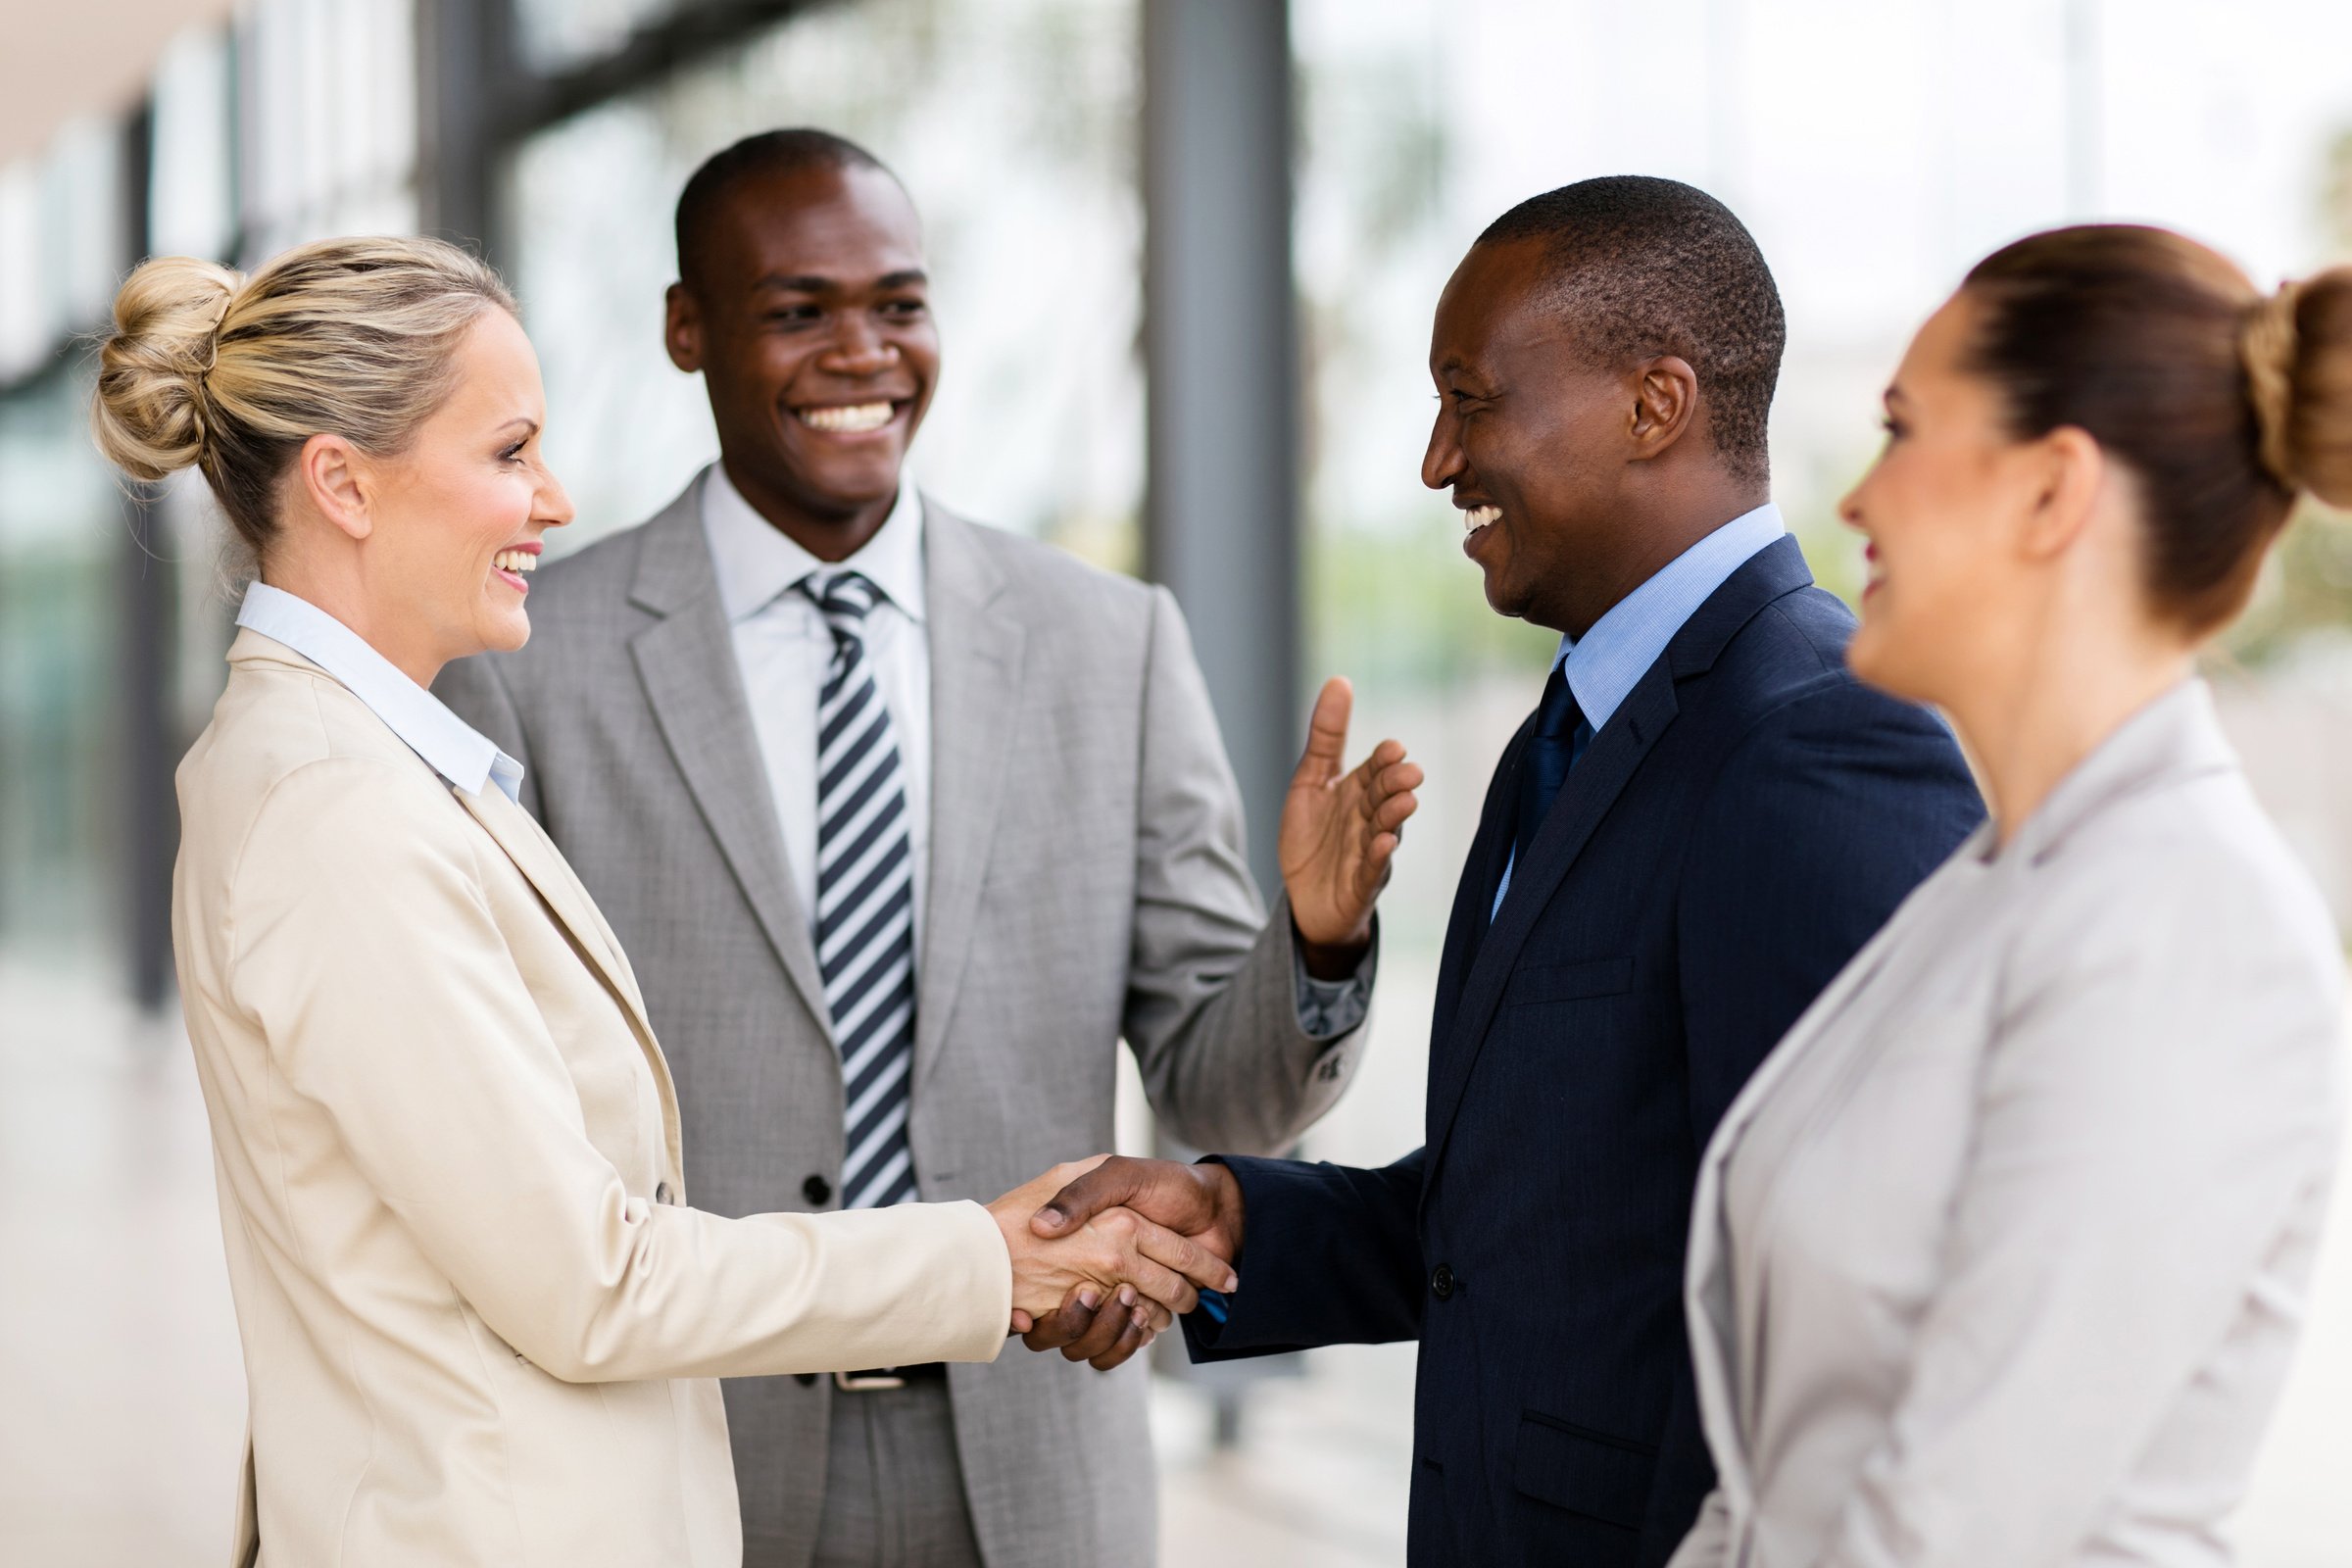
{"x":451,"y":748}
{"x":783,"y":647}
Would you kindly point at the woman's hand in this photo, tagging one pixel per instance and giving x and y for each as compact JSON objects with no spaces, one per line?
{"x":1150,"y":1270}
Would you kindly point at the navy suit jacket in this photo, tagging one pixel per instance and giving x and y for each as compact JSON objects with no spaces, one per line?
{"x":1741,"y":825}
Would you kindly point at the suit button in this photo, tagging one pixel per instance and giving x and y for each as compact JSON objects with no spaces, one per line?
{"x":661,"y":1193}
{"x":1441,"y":1282}
{"x":817,"y":1190}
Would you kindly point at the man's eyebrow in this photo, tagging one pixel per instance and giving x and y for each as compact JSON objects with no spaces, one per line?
{"x":816,"y":284}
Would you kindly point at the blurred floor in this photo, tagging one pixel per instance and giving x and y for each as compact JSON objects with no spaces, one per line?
{"x":121,"y":1395}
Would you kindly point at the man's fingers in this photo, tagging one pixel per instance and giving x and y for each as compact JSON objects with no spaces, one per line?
{"x":1104,"y":1331}
{"x":1327,"y":731}
{"x":1186,"y":1256}
{"x":1391,"y":814}
{"x":1131,"y":1339}
{"x":1399,"y":778}
{"x":1068,"y":1322}
{"x":1105,"y":1185}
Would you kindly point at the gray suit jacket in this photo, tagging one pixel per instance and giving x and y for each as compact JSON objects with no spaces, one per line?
{"x":2000,"y":1258}
{"x":1086,"y":884}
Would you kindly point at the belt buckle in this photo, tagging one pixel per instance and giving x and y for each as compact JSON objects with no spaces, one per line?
{"x":866,"y":1382}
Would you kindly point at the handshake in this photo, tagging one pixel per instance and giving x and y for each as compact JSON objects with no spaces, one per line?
{"x":1108,"y":1252}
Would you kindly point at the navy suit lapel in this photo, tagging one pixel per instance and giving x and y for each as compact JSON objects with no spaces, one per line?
{"x":1474,"y":896}
{"x":1592,"y":787}
{"x":1484,"y":963}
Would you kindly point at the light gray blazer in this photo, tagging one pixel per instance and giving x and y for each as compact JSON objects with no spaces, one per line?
{"x":1999,"y":1259}
{"x":1087,"y":883}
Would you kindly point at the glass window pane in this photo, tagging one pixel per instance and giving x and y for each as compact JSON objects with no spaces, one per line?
{"x":192,"y":202}
{"x":61,"y":519}
{"x":554,"y":34}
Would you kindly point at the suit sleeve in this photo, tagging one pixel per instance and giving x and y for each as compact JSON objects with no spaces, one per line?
{"x":1332,"y":1255}
{"x":475,"y":690}
{"x":2155,"y":1132}
{"x":366,"y":949}
{"x":1823,"y":818}
{"x":1214,"y":1009}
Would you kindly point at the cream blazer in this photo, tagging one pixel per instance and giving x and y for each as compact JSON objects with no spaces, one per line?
{"x":2000,"y":1258}
{"x":480,"y":1324}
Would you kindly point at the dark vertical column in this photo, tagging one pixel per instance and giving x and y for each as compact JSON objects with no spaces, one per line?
{"x":463,"y":75}
{"x":1221,"y":516}
{"x":148,"y":604}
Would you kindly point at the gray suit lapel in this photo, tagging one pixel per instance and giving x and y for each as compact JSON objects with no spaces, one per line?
{"x":686,"y":661}
{"x":976,"y":649}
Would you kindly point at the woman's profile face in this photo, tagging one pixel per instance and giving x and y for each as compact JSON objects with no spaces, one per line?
{"x":1940,"y":511}
{"x":464,"y":509}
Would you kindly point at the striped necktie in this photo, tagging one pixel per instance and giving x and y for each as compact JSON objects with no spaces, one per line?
{"x":864,"y":903}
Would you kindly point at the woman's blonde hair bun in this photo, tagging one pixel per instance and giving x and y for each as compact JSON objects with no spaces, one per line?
{"x":2297,"y":347}
{"x":151,"y":415}
{"x":351,"y":337}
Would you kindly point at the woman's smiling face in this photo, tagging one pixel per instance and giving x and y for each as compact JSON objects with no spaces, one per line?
{"x":1940,"y":509}
{"x":461,"y":511}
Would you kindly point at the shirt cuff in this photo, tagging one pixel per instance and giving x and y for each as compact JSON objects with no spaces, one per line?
{"x":1330,"y":1008}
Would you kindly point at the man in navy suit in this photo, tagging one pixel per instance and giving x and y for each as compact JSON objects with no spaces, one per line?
{"x":1703,"y":820}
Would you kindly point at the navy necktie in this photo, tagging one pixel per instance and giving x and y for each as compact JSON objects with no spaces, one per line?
{"x":1550,"y":749}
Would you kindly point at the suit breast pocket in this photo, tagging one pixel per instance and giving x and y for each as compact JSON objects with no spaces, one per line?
{"x":1571,"y":982}
{"x":1591,"y":1472}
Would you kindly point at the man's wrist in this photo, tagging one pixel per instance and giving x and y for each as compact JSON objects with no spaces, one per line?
{"x":1225,"y":1201}
{"x":1333,"y":960}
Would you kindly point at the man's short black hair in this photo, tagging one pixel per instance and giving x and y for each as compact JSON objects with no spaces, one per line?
{"x":771,"y":151}
{"x":1648,"y":266}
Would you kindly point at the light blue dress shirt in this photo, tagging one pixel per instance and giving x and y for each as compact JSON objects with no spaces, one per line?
{"x":1606,"y":664}
{"x":451,"y":748}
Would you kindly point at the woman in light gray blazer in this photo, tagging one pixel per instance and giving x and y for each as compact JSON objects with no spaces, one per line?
{"x":1999,"y":1260}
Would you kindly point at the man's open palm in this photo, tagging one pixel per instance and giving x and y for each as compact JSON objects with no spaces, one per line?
{"x":1340,"y":829}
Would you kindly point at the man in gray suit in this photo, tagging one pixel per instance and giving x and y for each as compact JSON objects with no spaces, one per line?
{"x":906,"y":822}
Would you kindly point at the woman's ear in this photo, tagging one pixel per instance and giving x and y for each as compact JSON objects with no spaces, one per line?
{"x":2068,"y":472}
{"x":334,"y":474}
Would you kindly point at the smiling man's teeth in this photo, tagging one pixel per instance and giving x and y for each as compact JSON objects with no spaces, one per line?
{"x":520,"y":561}
{"x":851,"y":419}
{"x":1477,"y":517}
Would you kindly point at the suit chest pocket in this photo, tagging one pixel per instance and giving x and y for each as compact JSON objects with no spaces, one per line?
{"x":1570,"y":982}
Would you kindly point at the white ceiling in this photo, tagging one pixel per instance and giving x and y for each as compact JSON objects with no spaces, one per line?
{"x":63,"y":57}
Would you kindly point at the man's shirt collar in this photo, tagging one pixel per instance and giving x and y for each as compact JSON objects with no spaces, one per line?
{"x":450,"y":747}
{"x":1605,"y":664}
{"x":756,"y":561}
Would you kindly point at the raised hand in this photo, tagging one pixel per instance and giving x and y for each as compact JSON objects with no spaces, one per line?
{"x":1202,"y":1202}
{"x":1111,"y":1253}
{"x":1340,"y":832}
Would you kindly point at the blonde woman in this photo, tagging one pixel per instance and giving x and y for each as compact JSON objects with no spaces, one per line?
{"x":480,"y":1321}
{"x":2000,"y":1258}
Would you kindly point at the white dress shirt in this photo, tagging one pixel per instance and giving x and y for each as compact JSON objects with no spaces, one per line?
{"x":450,"y":747}
{"x":783,"y":648}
